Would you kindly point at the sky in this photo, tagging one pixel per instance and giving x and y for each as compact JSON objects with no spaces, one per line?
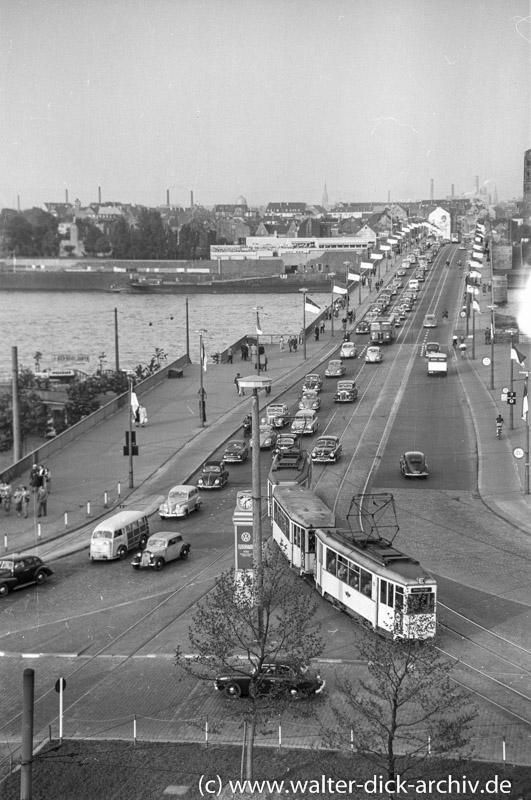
{"x":269,"y":99}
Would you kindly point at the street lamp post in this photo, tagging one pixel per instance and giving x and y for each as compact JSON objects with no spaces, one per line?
{"x":347,"y":265}
{"x":332,"y":275}
{"x":130,"y":441}
{"x":304,"y":290}
{"x":511,"y":383}
{"x":202,"y":393}
{"x":258,"y":332}
{"x":256,"y":383}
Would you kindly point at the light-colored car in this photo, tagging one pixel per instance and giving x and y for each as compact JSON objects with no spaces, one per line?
{"x":335,"y":369}
{"x":432,"y":347}
{"x":268,"y":437}
{"x":161,"y":548}
{"x":348,"y":350}
{"x":310,"y":399}
{"x":305,"y":422}
{"x":374,"y":355}
{"x":181,"y":501}
{"x":430,"y":321}
{"x":277,"y":415}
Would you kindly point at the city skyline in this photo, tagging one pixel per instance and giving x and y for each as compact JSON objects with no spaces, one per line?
{"x":266,"y":100}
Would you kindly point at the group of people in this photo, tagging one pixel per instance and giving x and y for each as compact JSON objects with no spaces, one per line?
{"x":140,"y":416}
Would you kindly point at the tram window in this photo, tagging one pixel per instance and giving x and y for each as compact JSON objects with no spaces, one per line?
{"x":331,"y":561}
{"x":354,"y":576}
{"x":297,"y":537}
{"x":311,"y":541}
{"x":387,"y":593}
{"x":399,"y":599}
{"x":366,"y":583}
{"x":422,"y":603}
{"x":281,"y":520}
{"x":342,"y":568}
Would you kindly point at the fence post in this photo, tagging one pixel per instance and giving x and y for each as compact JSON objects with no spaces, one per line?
{"x":39,"y":530}
{"x":88,"y":508}
{"x":119,"y":489}
{"x":279,"y":731}
{"x":105,"y":499}
{"x":66,"y":519}
{"x":503,"y":751}
{"x":206,"y":732}
{"x":134,"y":730}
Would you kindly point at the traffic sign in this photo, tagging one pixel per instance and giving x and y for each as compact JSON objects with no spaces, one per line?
{"x":518,"y":452}
{"x":60,"y":683}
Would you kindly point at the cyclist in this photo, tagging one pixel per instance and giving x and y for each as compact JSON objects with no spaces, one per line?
{"x":499,"y":425}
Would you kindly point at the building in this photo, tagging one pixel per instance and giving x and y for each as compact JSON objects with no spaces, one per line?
{"x":526,"y":204}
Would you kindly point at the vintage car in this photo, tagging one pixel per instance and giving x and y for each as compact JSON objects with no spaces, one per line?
{"x":413,"y":464}
{"x":363,"y":327}
{"x":18,"y":570}
{"x":214,"y":475}
{"x":346,"y":392}
{"x":305,"y":422}
{"x":430,"y":321}
{"x":327,"y":449}
{"x":348,"y":350}
{"x":181,"y":500}
{"x":268,"y":437}
{"x":236,"y":451}
{"x":277,"y":415}
{"x":287,"y":443}
{"x":335,"y":369}
{"x":275,"y":678}
{"x":310,"y":399}
{"x":161,"y":548}
{"x":432,"y":347}
{"x":373,"y":355}
{"x":312,"y":381}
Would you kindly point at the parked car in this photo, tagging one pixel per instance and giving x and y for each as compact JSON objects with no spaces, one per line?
{"x":346,"y":392}
{"x":335,"y":369}
{"x":236,"y":451}
{"x":310,"y":399}
{"x":181,"y":500}
{"x":275,"y":678}
{"x":327,"y":449}
{"x":312,"y":381}
{"x":363,"y":327}
{"x":19,"y":570}
{"x":305,"y":422}
{"x":277,"y":415}
{"x":161,"y":548}
{"x":374,"y":355}
{"x":413,"y":464}
{"x":348,"y":350}
{"x":214,"y":475}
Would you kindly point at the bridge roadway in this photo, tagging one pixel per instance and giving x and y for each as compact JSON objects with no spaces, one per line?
{"x":172,"y":447}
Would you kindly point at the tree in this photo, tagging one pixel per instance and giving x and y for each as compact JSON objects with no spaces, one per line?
{"x":32,"y":411}
{"x":225,"y":627}
{"x":408,"y":707}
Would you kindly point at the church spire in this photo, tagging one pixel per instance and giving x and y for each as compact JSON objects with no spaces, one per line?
{"x":325,"y":196}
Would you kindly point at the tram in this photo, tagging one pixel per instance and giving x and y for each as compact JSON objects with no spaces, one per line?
{"x":383,"y":330}
{"x":367,"y":578}
{"x":295,"y":514}
{"x":374,"y":582}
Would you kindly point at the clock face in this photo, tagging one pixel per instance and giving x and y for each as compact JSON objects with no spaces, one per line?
{"x":245,"y":500}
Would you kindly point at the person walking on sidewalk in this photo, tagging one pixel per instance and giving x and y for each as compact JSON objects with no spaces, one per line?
{"x":230,"y":355}
{"x":42,"y":501}
{"x":142,"y":415}
{"x":21,"y":498}
{"x":281,"y":344}
{"x":239,"y":389}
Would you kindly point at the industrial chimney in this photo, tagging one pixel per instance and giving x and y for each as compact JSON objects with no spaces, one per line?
{"x":191,"y":199}
{"x":431,"y":190}
{"x":99,"y":195}
{"x":167,"y":197}
{"x":66,"y":196}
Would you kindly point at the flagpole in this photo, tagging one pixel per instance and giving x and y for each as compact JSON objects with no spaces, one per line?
{"x":473,"y":331}
{"x":202,"y":414}
{"x":258,"y":309}
{"x":526,"y":462}
{"x":304,"y":290}
{"x":332,"y":276}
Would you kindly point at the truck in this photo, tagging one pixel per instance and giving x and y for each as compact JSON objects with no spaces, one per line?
{"x":437,"y":364}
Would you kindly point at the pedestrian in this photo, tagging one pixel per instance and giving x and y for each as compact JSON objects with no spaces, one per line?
{"x":237,"y":383}
{"x":142,"y":415}
{"x":487,"y":335}
{"x":454,"y":340}
{"x":344,"y":323}
{"x":21,"y":498}
{"x":281,"y":344}
{"x":301,"y":336}
{"x":136,"y":416}
{"x":230,"y":354}
{"x":462,"y":348}
{"x":322,"y":326}
{"x":254,"y":354}
{"x":35,"y":478}
{"x":42,"y":501}
{"x":290,"y":343}
{"x":316,"y":333}
{"x":462,"y":338}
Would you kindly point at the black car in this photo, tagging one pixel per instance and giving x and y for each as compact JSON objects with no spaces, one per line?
{"x":363,"y":327}
{"x":275,"y":678}
{"x":18,"y":571}
{"x":214,"y":475}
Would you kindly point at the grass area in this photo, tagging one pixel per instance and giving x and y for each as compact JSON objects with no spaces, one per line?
{"x":111,"y":770}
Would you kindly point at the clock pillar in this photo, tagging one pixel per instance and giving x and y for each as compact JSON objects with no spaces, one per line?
{"x":242,"y":519}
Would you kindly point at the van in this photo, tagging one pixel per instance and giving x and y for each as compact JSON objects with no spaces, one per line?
{"x":437,"y":364}
{"x":116,"y":535}
{"x":414,"y":284}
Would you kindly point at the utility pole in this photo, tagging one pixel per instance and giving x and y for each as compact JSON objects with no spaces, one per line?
{"x":17,"y":449}
{"x":26,"y":760}
{"x":116,"y":342}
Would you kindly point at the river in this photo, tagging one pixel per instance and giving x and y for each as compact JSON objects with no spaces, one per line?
{"x":74,"y":329}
